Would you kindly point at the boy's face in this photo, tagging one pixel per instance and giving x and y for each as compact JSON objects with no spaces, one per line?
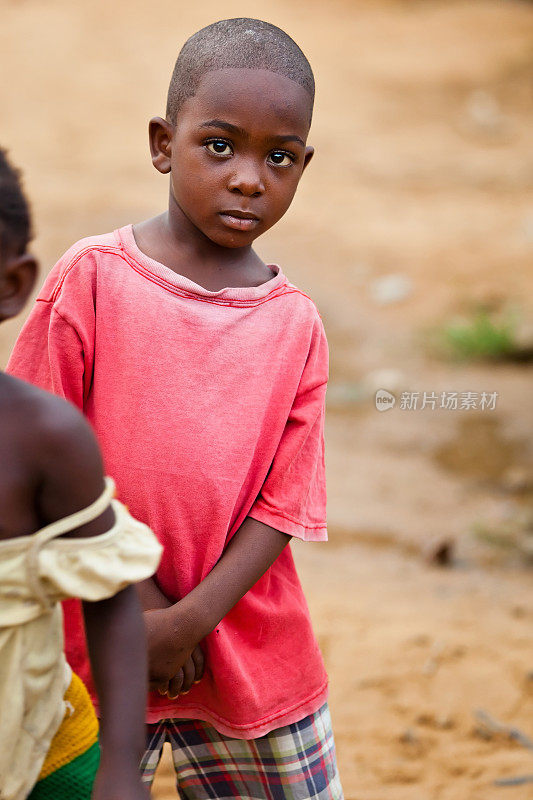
{"x":236,"y":153}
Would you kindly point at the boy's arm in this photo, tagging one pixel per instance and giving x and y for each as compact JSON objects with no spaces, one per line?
{"x":249,"y":554}
{"x":151,"y":596}
{"x":251,"y":551}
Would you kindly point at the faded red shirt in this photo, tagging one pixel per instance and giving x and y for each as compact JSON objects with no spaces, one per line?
{"x":209,"y":407}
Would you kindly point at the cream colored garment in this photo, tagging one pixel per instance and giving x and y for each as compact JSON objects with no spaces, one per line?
{"x":36,"y":573}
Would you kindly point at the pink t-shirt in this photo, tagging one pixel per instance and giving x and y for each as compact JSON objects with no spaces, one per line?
{"x":209,"y":407}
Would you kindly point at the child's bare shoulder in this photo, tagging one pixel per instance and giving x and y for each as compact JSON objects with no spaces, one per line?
{"x":46,"y":416}
{"x":55,"y":439}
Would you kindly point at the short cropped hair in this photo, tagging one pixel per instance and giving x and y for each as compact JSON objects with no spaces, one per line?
{"x":240,"y":43}
{"x":15,"y":219}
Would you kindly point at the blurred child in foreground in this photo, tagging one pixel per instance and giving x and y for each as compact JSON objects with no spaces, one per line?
{"x":203,"y":371}
{"x":61,"y":535}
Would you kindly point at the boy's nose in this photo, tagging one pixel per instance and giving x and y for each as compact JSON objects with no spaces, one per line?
{"x":247,"y":180}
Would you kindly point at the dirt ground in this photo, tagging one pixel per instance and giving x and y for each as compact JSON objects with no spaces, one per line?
{"x":417,"y":208}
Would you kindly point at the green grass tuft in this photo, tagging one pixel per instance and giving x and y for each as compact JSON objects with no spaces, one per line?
{"x":481,"y":338}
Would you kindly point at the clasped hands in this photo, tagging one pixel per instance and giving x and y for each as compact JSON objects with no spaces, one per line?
{"x":175,"y":659}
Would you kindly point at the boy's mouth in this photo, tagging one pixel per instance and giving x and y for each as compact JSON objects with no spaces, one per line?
{"x":239,"y":220}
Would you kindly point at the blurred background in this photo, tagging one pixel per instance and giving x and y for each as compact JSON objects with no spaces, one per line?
{"x":413,"y":232}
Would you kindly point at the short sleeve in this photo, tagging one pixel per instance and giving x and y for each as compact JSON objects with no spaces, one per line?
{"x":54,"y":350}
{"x":293,"y":496}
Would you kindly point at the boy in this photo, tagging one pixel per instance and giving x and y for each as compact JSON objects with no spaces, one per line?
{"x":203,"y":372}
{"x":57,"y":542}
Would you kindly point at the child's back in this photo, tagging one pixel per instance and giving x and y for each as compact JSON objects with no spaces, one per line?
{"x":55,"y":518}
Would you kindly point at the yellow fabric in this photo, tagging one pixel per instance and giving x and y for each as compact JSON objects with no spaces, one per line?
{"x":36,"y":573}
{"x":91,"y":568}
{"x":77,"y":732}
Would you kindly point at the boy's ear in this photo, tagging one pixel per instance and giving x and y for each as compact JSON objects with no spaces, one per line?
{"x":160,"y":133}
{"x":309,"y":151}
{"x":17,"y":279}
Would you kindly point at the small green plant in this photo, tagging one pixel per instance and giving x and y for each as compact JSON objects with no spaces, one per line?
{"x":514,"y":535}
{"x":480,"y":338}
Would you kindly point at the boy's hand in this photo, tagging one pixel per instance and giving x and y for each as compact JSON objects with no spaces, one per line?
{"x":175,"y":661}
{"x":191,"y":672}
{"x":174,"y":631}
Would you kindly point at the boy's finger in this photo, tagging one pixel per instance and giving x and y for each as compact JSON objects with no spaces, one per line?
{"x":158,"y":685}
{"x":174,"y":686}
{"x":199,"y":663}
{"x":189,"y":673}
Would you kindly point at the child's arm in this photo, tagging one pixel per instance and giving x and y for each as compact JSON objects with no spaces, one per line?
{"x":176,"y":630}
{"x":115,"y":638}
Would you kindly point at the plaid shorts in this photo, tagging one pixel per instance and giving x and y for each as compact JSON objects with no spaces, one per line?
{"x":296,"y":762}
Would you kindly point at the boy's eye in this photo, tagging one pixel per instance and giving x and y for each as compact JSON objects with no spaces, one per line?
{"x":280,"y":158}
{"x":219,"y":147}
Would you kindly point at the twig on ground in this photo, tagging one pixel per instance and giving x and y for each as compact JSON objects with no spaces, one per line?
{"x":518,"y":780}
{"x":493,"y":726}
